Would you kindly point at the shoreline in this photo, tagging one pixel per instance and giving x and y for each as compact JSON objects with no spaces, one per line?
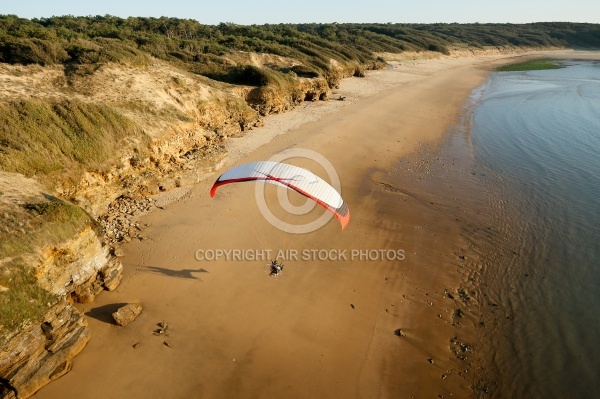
{"x":510,"y":323}
{"x":228,"y":334}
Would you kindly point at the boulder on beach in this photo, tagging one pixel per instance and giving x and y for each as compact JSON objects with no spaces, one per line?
{"x":127,"y":313}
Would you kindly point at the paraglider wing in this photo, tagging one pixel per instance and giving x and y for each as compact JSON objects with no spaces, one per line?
{"x":292,"y":177}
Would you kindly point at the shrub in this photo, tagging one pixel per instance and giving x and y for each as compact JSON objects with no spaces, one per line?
{"x":438,"y":48}
{"x":305,"y":71}
{"x":250,"y":75}
{"x":33,"y":51}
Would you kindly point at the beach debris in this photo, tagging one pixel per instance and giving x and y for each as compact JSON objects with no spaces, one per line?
{"x":165,"y":343}
{"x":459,"y":348}
{"x":463,"y":294}
{"x":444,"y":376}
{"x":399,"y":332}
{"x":162,"y":329}
{"x":126,"y":314}
{"x":136,"y":345}
{"x":430,"y":360}
{"x":341,"y":98}
{"x":352,"y":306}
{"x":458,"y":313}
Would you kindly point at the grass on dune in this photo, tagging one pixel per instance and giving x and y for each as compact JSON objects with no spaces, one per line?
{"x":38,"y":138}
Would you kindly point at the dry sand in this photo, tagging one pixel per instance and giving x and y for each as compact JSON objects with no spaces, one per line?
{"x":323,"y":328}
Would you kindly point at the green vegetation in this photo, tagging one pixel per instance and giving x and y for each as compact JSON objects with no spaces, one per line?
{"x":531,"y":65}
{"x":21,"y":299}
{"x":39,"y":224}
{"x":203,"y":49}
{"x":37,"y":138}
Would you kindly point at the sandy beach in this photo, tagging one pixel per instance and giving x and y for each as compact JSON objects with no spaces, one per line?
{"x":325,"y":327}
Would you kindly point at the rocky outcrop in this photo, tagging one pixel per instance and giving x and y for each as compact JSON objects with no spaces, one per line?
{"x":81,"y":267}
{"x":272,"y":99}
{"x":42,"y":352}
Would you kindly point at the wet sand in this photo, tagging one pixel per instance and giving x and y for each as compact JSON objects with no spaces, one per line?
{"x":324,"y":328}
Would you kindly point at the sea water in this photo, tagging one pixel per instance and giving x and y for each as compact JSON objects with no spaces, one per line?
{"x":536,"y":135}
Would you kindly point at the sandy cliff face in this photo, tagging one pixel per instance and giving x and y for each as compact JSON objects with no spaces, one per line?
{"x":81,"y":267}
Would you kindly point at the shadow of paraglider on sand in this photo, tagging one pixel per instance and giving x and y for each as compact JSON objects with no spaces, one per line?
{"x":182,"y":273}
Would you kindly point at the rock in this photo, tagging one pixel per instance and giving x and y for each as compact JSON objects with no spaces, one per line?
{"x":43,"y":351}
{"x":118,"y":252}
{"x":111,"y":274}
{"x":86,"y":293}
{"x":127,"y":313}
{"x":162,"y":329}
{"x":108,"y":278}
{"x":74,"y":266}
{"x":399,"y":333}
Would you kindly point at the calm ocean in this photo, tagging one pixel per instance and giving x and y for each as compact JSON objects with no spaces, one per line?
{"x":536,"y":136}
